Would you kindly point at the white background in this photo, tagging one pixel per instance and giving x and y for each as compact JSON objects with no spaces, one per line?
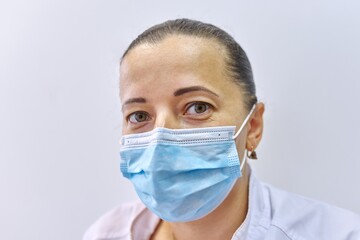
{"x":60,"y":113}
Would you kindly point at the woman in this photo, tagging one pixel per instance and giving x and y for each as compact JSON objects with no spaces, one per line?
{"x":191,"y":121}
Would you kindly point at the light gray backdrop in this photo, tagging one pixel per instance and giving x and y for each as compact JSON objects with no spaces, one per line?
{"x":60,"y":113}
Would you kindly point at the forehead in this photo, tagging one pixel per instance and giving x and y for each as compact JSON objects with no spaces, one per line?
{"x":175,"y":53}
{"x":156,"y":71}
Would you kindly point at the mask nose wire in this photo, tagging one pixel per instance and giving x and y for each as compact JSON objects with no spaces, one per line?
{"x":245,"y":122}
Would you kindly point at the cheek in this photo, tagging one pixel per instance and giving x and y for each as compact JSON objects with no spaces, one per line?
{"x":241,"y":139}
{"x":230,"y":116}
{"x":124,"y":129}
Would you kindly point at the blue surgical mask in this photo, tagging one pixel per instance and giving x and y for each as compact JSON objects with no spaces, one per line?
{"x":182,"y":175}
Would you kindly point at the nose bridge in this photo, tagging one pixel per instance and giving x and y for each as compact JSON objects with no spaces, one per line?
{"x":166,"y":118}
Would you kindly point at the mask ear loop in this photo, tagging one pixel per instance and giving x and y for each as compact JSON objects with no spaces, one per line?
{"x":239,"y":131}
{"x":243,"y":160}
{"x":245,"y":122}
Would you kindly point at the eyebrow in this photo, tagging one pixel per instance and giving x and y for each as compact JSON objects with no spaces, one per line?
{"x":134,"y":100}
{"x":178,"y":92}
{"x":182,"y":91}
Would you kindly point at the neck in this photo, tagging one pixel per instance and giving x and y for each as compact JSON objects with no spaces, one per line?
{"x":219,"y":224}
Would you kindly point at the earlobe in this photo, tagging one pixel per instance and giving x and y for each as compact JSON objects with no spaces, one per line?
{"x":256,"y":125}
{"x":252,"y":153}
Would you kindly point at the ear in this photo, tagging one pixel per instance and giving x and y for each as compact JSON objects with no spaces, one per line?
{"x":255,"y":128}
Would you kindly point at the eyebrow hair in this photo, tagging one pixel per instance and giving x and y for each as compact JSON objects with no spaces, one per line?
{"x":182,"y":91}
{"x":134,"y":100}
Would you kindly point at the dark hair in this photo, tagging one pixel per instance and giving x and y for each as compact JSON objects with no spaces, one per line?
{"x":238,"y":65}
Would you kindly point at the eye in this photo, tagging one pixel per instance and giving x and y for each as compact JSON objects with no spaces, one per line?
{"x":138,"y":117}
{"x":197,"y":108}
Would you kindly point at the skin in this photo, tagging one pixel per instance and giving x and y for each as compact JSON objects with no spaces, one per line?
{"x":181,"y":82}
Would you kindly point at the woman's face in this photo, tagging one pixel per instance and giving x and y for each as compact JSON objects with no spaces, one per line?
{"x":179,"y":82}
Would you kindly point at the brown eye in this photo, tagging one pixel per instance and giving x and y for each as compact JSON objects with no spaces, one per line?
{"x":138,"y":117}
{"x":197,"y":108}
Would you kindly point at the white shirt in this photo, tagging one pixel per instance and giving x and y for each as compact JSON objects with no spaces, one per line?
{"x":273,"y":214}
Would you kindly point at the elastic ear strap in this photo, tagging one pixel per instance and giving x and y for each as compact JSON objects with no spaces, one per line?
{"x":243,"y":160}
{"x":245,"y":121}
